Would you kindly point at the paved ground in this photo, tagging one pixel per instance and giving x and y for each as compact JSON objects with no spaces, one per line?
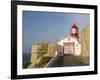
{"x":66,"y":60}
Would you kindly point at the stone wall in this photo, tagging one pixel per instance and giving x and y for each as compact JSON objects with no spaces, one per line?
{"x":52,"y":48}
{"x":85,"y":41}
{"x":42,"y":49}
{"x":34,"y":53}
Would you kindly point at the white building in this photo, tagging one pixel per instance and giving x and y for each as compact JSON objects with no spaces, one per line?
{"x":70,"y":44}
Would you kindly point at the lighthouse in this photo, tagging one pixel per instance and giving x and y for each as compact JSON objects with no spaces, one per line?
{"x":74,"y":32}
{"x":70,"y":44}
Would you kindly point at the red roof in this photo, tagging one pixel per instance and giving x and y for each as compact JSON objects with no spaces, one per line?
{"x":75,"y":26}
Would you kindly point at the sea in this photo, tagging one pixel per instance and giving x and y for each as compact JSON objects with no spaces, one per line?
{"x":26,"y":57}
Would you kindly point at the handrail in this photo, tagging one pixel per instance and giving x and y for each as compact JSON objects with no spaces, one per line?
{"x":49,"y":61}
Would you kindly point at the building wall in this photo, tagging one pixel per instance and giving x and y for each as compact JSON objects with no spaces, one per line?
{"x":60,"y":50}
{"x":34,"y":53}
{"x":78,"y":49}
{"x":84,"y":40}
{"x":69,"y":40}
{"x":52,"y":48}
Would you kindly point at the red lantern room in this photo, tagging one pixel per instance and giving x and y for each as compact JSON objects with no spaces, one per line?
{"x":74,"y":31}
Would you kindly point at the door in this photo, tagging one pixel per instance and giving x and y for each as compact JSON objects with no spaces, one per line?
{"x":68,"y":48}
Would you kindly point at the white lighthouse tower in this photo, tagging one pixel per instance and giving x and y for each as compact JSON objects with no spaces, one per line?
{"x":70,"y":44}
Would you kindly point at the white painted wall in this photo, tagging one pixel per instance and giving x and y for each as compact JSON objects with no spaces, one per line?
{"x":78,"y":49}
{"x":71,"y":40}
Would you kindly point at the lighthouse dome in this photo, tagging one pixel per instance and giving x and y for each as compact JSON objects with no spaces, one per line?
{"x":75,"y":26}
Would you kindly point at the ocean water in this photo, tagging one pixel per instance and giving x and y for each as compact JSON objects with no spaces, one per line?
{"x":26,"y":57}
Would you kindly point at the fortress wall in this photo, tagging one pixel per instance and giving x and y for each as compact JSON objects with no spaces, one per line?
{"x":85,"y":41}
{"x":42,"y":49}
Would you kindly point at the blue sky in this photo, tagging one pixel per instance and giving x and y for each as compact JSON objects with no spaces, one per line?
{"x":46,"y":27}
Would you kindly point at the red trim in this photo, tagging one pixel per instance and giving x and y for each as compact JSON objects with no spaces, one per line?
{"x":75,"y":35}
